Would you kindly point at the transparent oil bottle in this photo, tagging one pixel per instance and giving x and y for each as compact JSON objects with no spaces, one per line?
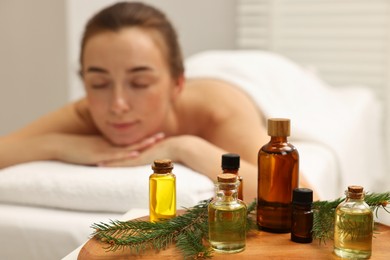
{"x":353,"y":226}
{"x":227,"y":217}
{"x":278,"y":166}
{"x":162,"y":191}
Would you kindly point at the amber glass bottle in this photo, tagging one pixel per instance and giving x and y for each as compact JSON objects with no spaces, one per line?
{"x":302,"y":216}
{"x":278,"y":166}
{"x":162,"y":191}
{"x":231,"y":164}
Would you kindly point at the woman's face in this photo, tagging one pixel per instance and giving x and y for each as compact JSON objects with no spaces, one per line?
{"x":128,"y":84}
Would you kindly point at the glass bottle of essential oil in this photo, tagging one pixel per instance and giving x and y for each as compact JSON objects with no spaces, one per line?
{"x":278,"y":166}
{"x":227,"y":217}
{"x":162,"y":191}
{"x":231,"y":164}
{"x":353,"y":226}
{"x":302,"y":216}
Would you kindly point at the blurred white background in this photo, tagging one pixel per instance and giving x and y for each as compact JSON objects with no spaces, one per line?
{"x":346,"y":42}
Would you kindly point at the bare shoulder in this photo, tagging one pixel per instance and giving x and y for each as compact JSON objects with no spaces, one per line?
{"x":223,"y":98}
{"x":226,"y":117}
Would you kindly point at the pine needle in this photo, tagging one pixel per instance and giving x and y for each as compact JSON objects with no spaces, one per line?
{"x":324,"y":211}
{"x":189,"y":230}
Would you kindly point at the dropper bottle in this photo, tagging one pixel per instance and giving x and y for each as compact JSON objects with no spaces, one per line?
{"x":231,"y":164}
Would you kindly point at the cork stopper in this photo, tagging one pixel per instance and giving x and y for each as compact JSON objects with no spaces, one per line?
{"x":355,"y":192}
{"x":227,"y":178}
{"x":278,"y":127}
{"x":162,"y":165}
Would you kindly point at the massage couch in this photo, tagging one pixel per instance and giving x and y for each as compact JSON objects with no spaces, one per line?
{"x":47,"y":207}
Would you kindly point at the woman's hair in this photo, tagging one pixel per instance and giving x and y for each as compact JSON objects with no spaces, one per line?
{"x":134,"y":14}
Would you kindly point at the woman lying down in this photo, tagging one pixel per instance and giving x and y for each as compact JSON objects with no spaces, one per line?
{"x":139,"y":107}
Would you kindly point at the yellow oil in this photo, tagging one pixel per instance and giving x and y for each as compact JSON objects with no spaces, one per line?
{"x":162,"y":196}
{"x":353,"y":233}
{"x":227,"y":227}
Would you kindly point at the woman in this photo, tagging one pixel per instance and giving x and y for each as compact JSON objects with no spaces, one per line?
{"x":138,"y":106}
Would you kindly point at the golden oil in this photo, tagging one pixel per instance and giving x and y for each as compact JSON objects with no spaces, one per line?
{"x":353,"y":226}
{"x":162,"y":191}
{"x":227,"y":217}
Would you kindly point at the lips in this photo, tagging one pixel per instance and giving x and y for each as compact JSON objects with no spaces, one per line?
{"x":123,"y":125}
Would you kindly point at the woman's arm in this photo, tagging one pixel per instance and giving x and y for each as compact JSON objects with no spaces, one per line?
{"x":37,"y":141}
{"x":66,"y":135}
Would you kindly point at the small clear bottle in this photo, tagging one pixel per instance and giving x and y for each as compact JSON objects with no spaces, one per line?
{"x":353,"y":226}
{"x":231,"y":164}
{"x":278,"y":173}
{"x":227,"y":217}
{"x":302,"y":216}
{"x":162,"y":191}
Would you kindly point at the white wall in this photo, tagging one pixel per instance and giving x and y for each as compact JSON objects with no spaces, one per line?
{"x":32,"y":60}
{"x":40,"y":44}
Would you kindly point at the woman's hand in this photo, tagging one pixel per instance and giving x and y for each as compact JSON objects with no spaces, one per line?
{"x":96,"y":150}
{"x":159,"y":149}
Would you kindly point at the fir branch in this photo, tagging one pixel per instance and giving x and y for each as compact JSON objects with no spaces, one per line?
{"x":324,"y":211}
{"x":138,"y":235}
{"x":190,"y":229}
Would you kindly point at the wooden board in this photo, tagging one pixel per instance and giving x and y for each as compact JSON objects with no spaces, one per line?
{"x":258,"y":244}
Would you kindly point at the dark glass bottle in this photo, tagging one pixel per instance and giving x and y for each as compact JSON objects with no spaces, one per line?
{"x":302,"y":216}
{"x":278,"y":166}
{"x":231,"y":164}
{"x":227,"y":217}
{"x":162,"y":191}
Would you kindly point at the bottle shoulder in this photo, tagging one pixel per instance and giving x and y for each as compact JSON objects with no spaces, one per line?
{"x":279,"y":147}
{"x":354,"y":207}
{"x":162,"y":175}
{"x":227,"y":205}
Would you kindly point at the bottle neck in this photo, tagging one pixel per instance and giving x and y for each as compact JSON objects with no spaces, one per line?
{"x":226,"y":192}
{"x":279,"y":139}
{"x":351,"y":197}
{"x":302,"y":206}
{"x":234,"y":171}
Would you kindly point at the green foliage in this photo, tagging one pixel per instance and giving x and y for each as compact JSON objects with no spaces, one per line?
{"x":189,"y":230}
{"x":324,"y":213}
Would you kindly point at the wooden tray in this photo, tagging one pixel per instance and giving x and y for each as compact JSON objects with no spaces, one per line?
{"x":258,"y":244}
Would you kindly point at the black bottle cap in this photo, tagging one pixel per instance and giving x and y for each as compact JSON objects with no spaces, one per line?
{"x":302,"y":196}
{"x":230,"y":161}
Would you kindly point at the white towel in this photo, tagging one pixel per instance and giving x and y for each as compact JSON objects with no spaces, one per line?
{"x":75,"y":187}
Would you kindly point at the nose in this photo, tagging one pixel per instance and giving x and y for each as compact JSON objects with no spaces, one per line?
{"x":119,"y":103}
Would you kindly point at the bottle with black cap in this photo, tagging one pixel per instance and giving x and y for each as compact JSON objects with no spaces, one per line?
{"x":302,"y":216}
{"x":231,"y":164}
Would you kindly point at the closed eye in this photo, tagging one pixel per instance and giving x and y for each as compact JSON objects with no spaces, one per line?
{"x":139,"y":85}
{"x":100,"y":86}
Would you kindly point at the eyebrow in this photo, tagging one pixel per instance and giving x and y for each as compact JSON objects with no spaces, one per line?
{"x":135,"y":69}
{"x":97,"y":69}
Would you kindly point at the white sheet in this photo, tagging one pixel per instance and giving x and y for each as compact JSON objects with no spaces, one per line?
{"x":36,"y":233}
{"x":76,"y":187}
{"x":347,"y":121}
